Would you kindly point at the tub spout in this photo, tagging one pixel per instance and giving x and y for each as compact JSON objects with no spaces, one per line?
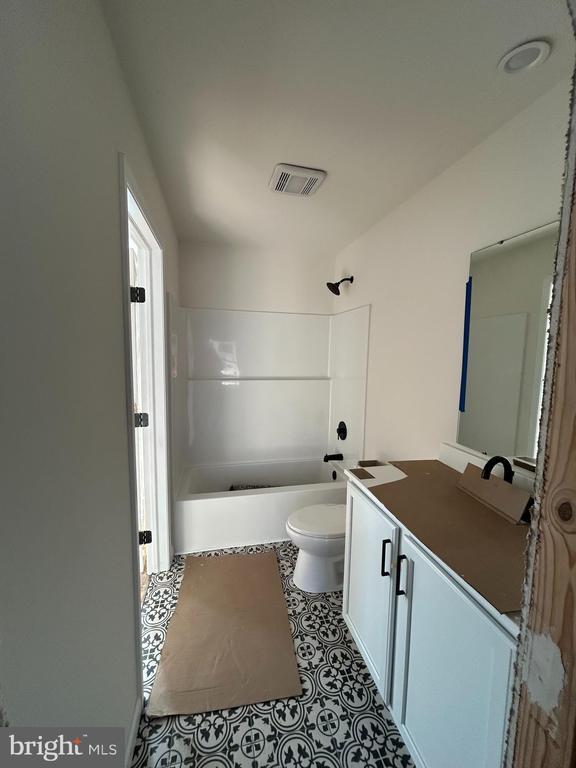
{"x":333,"y":457}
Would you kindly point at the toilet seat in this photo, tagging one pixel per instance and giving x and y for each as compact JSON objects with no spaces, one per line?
{"x":325,"y":521}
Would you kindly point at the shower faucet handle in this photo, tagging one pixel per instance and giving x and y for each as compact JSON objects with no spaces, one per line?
{"x":342,"y":431}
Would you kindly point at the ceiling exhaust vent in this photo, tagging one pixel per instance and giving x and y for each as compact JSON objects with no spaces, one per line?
{"x":296,"y":180}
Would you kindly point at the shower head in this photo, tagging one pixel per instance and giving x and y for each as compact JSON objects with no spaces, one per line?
{"x":335,"y":287}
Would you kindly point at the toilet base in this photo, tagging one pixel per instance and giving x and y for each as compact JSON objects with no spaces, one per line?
{"x":318,"y":574}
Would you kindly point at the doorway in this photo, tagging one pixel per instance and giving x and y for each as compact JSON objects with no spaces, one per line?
{"x":149,"y":393}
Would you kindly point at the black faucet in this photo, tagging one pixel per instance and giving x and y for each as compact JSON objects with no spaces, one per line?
{"x":333,"y":457}
{"x":491,"y":463}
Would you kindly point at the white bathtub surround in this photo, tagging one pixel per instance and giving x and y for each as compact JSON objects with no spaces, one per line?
{"x":349,"y":333}
{"x":256,"y":345}
{"x":208,"y":515}
{"x":177,"y":383}
{"x":256,"y":420}
{"x":257,"y":386}
{"x":264,"y":393}
{"x":270,"y":385}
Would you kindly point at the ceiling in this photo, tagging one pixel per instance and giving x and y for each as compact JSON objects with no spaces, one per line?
{"x":382,"y":94}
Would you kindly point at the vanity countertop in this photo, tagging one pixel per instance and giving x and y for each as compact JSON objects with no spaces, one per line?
{"x":483,"y":549}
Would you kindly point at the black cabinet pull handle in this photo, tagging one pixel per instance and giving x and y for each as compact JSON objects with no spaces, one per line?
{"x":383,"y":571}
{"x":399,"y":574}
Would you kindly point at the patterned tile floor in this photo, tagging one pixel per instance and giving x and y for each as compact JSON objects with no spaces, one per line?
{"x":340,"y":720}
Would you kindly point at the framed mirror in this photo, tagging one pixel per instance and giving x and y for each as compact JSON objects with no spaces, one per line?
{"x":506,"y":324}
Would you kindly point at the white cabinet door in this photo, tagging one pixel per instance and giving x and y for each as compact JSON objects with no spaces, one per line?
{"x":371,"y":544}
{"x":451,"y":669}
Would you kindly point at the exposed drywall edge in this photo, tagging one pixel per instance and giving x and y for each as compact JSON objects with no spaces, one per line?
{"x":543,"y":673}
{"x":521,"y":674}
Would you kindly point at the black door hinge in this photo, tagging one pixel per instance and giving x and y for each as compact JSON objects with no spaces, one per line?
{"x":137,"y":294}
{"x":144,"y":537}
{"x":141,"y":420}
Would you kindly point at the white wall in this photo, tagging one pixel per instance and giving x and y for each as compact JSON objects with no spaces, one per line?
{"x":413,"y":265}
{"x":67,"y":602}
{"x":243,"y":278}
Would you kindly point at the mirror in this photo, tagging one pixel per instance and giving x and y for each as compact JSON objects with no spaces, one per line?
{"x":507,"y":300}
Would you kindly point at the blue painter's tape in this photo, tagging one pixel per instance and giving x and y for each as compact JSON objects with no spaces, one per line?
{"x":465,"y":346}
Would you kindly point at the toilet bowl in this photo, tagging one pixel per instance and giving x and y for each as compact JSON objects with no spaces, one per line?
{"x":318,"y":532}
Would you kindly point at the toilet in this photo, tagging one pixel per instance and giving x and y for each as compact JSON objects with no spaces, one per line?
{"x":318,"y":532}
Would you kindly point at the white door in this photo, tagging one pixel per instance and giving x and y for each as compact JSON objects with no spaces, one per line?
{"x":371,"y":542}
{"x":149,"y":376}
{"x":451,"y":670}
{"x":141,"y":338}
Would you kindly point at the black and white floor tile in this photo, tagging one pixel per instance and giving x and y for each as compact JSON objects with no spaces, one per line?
{"x":338,"y":722}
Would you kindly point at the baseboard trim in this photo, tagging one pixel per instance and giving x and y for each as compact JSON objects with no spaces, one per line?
{"x":133,"y":731}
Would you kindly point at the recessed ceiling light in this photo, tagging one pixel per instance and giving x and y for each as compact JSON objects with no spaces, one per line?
{"x":526,"y":56}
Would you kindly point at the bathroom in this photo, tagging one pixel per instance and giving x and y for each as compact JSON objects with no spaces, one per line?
{"x":326,"y":236}
{"x":280,"y":361}
{"x":288,"y":349}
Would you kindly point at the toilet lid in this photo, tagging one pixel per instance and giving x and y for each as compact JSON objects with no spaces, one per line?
{"x":326,"y":520}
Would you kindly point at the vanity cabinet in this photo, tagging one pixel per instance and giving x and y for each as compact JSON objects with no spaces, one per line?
{"x":440,"y":660}
{"x":368,"y":600}
{"x":452,"y":669}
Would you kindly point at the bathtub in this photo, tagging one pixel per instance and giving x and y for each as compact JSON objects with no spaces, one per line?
{"x":208,"y":515}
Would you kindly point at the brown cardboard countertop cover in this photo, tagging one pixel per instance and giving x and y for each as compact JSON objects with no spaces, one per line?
{"x":483,"y":548}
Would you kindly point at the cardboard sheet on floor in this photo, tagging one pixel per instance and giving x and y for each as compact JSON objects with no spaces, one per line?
{"x":229,"y":641}
{"x":482,"y":547}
